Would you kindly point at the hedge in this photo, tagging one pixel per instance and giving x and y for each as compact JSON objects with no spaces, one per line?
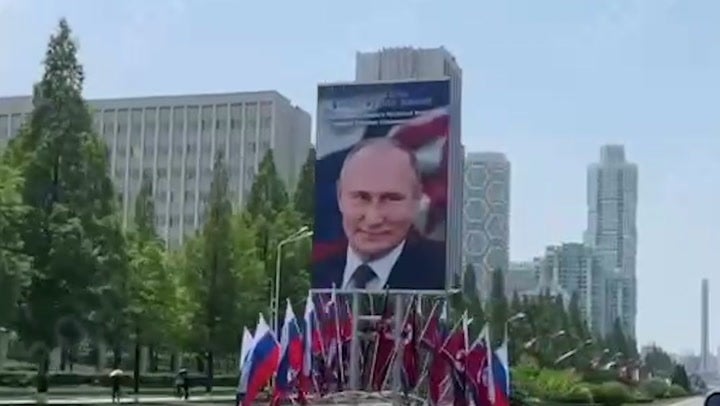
{"x":611,"y":394}
{"x":153,"y":380}
{"x":656,"y":388}
{"x":675,"y":391}
{"x":599,"y":376}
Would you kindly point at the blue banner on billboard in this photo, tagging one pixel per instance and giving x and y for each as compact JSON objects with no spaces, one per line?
{"x":381,"y":185}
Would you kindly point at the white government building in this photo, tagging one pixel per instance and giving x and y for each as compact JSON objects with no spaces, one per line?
{"x":175,"y":140}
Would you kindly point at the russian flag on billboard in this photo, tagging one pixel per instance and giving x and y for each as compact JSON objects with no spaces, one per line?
{"x":262,"y":361}
{"x":291,"y":354}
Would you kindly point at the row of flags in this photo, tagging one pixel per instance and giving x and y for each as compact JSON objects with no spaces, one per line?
{"x":312,"y":356}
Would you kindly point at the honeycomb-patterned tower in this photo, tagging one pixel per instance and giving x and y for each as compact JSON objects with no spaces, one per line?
{"x":487,"y":215}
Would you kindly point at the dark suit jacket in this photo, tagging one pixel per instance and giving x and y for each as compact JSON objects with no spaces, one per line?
{"x":421,"y":266}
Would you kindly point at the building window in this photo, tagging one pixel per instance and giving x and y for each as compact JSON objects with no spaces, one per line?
{"x":122,"y":119}
{"x":164,"y":120}
{"x":178,"y":120}
{"x":236,"y":118}
{"x":207,"y":118}
{"x":193,"y":117}
{"x":4,"y":126}
{"x":136,"y":123}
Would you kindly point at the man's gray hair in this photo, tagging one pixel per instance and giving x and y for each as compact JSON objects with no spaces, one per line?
{"x":384,"y":142}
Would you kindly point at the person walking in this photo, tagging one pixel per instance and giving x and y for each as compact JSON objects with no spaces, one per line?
{"x":181,"y":381}
{"x":115,"y":377}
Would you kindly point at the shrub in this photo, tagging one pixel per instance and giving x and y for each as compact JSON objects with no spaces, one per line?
{"x":656,"y":388}
{"x":545,"y":384}
{"x":611,"y":394}
{"x":599,"y":376}
{"x":578,"y":394}
{"x":675,"y":391}
{"x":518,"y":397}
{"x":641,"y":397}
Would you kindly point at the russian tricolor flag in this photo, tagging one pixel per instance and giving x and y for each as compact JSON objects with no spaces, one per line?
{"x":291,"y":354}
{"x":261,"y":363}
{"x":247,"y":341}
{"x":501,"y":375}
{"x":312,"y":342}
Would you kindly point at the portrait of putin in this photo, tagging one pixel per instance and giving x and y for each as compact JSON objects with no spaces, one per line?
{"x":379,"y":194}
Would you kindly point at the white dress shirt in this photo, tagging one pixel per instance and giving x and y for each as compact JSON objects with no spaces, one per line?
{"x":381,"y":266}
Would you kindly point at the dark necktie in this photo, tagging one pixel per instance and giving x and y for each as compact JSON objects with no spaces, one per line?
{"x":363,"y":275}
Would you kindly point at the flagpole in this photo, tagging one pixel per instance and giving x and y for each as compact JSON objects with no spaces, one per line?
{"x":397,"y":365}
{"x":355,"y":344}
{"x":338,"y":342}
{"x":428,"y":355}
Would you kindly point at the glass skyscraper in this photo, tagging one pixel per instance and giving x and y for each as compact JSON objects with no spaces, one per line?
{"x":612,"y":193}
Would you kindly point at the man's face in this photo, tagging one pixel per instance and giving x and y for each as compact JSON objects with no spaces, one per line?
{"x":378,"y":196}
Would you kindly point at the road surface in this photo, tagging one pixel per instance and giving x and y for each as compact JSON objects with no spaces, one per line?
{"x":693,"y":401}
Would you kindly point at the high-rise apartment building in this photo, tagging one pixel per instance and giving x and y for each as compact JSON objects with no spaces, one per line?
{"x":572,"y":269}
{"x":175,"y":140}
{"x":487,"y":215}
{"x":405,"y":63}
{"x":612,"y":188}
{"x":705,"y":364}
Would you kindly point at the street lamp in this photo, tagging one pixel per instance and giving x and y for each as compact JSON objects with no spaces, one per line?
{"x":558,"y":334}
{"x":300,"y":234}
{"x":566,"y":356}
{"x":512,"y":319}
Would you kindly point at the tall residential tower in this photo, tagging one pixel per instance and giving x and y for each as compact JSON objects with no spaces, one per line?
{"x":486,"y":215}
{"x":612,"y":194}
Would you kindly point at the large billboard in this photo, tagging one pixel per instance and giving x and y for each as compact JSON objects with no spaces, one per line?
{"x":381,"y":186}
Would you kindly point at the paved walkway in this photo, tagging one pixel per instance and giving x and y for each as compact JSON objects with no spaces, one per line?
{"x":105,"y":400}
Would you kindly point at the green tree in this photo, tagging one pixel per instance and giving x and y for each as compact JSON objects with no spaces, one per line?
{"x":152,"y":288}
{"x":618,"y":342}
{"x":680,"y":378}
{"x":295,"y":256}
{"x":144,"y":215}
{"x":499,"y":309}
{"x":268,"y":195}
{"x":469,"y":284}
{"x":71,"y":231}
{"x":304,"y":196}
{"x":658,"y":362}
{"x":14,"y":264}
{"x":575,"y":318}
{"x":249,"y":270}
{"x":213,"y":281}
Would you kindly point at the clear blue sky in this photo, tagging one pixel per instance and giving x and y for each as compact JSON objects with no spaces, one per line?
{"x":546,"y":82}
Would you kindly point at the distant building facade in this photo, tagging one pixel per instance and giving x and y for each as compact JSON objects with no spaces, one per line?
{"x":522,"y":277}
{"x":487,"y":215}
{"x":175,"y":140}
{"x":571,"y":268}
{"x":612,"y":194}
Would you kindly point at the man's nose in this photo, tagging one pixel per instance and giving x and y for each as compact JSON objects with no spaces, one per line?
{"x":374,"y":215}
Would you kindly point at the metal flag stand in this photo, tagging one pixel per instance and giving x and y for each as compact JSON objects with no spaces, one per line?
{"x":396,"y":395}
